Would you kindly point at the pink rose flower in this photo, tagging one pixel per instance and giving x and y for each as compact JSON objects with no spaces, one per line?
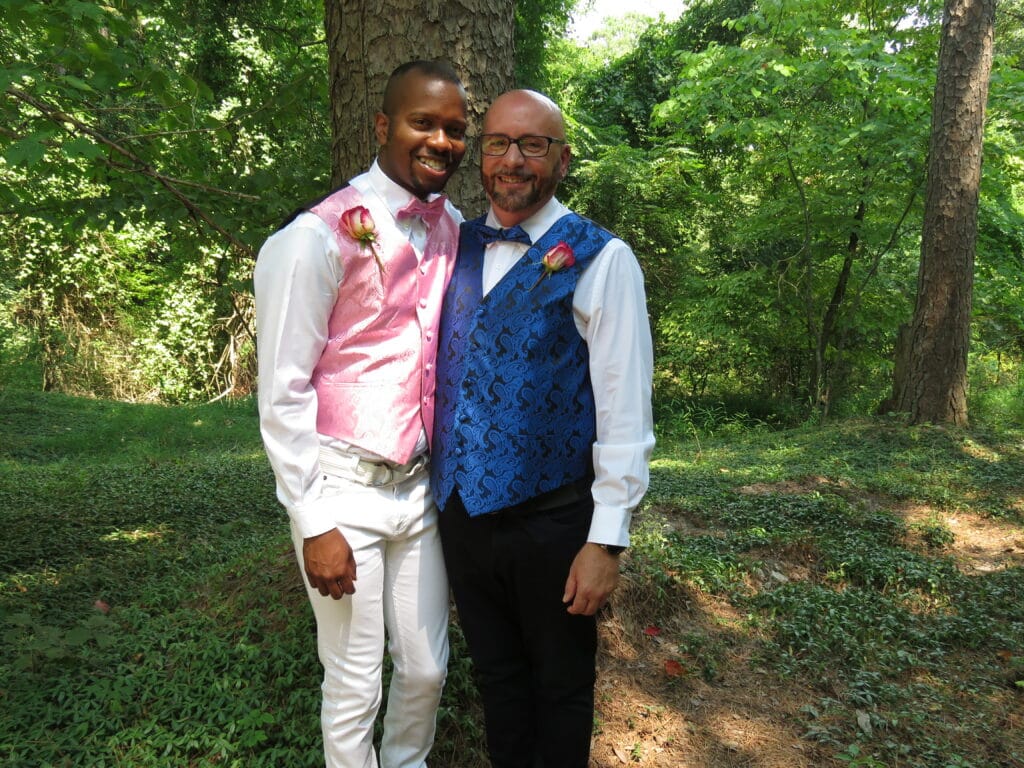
{"x":559,"y":257}
{"x":358,"y":224}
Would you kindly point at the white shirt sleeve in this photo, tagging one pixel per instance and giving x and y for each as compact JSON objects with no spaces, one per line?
{"x":295,"y":280}
{"x":610,"y":310}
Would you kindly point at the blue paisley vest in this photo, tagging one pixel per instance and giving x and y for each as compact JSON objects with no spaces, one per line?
{"x":514,"y":411}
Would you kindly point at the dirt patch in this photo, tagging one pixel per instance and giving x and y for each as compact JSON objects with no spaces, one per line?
{"x":980,"y":544}
{"x":809,"y":484}
{"x":656,"y":709}
{"x":679,"y":684}
{"x":689,"y":695}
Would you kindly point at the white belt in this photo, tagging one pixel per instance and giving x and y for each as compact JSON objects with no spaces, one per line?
{"x":375,"y":474}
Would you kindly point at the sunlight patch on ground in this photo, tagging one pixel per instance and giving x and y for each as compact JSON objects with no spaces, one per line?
{"x":133,"y":536}
{"x":983,"y":545}
{"x":978,"y":451}
{"x":980,"y":544}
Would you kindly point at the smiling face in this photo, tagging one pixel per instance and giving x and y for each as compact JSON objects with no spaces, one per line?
{"x":423,"y":139}
{"x":520,"y":186}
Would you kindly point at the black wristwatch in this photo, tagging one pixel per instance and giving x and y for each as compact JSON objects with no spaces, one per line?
{"x":612,"y":549}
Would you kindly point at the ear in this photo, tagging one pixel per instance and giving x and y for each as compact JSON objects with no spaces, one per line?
{"x":380,"y":128}
{"x":563,"y":161}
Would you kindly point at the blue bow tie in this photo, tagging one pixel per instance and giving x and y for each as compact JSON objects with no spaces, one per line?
{"x":490,"y":235}
{"x":430,"y":212}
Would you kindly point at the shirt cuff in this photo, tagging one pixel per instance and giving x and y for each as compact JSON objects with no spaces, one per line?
{"x":610,"y":525}
{"x":313,"y":518}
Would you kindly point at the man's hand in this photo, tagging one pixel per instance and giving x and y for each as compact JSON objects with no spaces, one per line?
{"x":330,"y":564}
{"x":592,"y":578}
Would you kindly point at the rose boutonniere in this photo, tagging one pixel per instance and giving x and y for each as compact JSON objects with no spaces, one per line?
{"x":358,"y":224}
{"x":557,"y":258}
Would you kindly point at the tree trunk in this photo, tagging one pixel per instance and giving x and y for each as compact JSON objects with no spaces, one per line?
{"x":367,"y":40}
{"x":935,"y":347}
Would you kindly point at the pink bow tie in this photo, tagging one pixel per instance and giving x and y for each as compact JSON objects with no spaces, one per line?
{"x":430,"y":212}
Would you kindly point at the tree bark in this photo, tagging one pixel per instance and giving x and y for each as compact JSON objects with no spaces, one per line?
{"x":367,"y":40}
{"x":933,"y":357}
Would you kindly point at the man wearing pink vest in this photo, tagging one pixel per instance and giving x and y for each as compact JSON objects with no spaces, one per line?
{"x":348,"y":299}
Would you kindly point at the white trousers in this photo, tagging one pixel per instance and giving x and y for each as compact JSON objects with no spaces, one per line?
{"x":402,"y":588}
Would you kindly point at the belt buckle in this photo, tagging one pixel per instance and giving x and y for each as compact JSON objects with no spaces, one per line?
{"x":371,"y":470}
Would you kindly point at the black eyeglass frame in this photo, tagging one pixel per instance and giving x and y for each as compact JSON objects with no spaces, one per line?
{"x":550,"y":139}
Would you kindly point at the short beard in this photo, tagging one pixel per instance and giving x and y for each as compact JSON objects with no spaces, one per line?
{"x":518,"y":201}
{"x":512,"y":202}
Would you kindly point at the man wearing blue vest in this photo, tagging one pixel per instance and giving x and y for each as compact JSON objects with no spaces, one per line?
{"x":542,"y":436}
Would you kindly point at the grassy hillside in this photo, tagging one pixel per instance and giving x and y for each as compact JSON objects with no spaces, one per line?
{"x":847,"y":595}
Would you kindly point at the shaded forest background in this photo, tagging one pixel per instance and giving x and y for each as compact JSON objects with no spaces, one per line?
{"x":794,"y":596}
{"x":765,"y":159}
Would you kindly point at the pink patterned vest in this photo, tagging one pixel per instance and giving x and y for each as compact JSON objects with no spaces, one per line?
{"x":375,"y":379}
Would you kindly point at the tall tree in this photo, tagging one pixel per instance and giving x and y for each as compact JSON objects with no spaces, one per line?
{"x":931,"y":364}
{"x":366,"y":41}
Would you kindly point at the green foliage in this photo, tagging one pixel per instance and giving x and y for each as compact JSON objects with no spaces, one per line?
{"x":149,"y":149}
{"x":151,"y":610}
{"x":621,"y":93}
{"x":813,"y":151}
{"x":538,"y":24}
{"x":779,"y":229}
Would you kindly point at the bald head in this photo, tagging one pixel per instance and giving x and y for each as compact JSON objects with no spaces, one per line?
{"x":531,"y":109}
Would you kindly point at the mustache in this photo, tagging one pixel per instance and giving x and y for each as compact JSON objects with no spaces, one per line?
{"x":512,"y":175}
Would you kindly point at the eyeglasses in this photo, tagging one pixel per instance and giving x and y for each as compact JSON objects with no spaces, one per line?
{"x":497,"y":144}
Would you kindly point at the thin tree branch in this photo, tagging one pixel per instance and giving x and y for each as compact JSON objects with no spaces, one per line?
{"x":63,"y":120}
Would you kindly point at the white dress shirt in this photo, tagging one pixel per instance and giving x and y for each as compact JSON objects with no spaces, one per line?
{"x":610,"y":312}
{"x":296,"y":281}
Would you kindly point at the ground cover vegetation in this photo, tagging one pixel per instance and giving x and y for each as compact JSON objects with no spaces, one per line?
{"x":808,"y":596}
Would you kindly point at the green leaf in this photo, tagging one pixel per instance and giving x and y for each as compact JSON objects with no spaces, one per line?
{"x":80,"y":146}
{"x":77,"y":83}
{"x":78,"y":636}
{"x":26,"y":152}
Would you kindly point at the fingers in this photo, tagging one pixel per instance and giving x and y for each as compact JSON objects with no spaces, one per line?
{"x":335,"y":588}
{"x":583,"y":600}
{"x":330,"y":565}
{"x":346,"y":585}
{"x":583,"y":607}
{"x":593,"y":576}
{"x":570,"y":586}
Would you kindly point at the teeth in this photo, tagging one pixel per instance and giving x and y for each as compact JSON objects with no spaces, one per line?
{"x":433,"y":163}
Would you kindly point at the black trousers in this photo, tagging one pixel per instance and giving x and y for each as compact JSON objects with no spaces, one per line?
{"x":534,"y":662}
